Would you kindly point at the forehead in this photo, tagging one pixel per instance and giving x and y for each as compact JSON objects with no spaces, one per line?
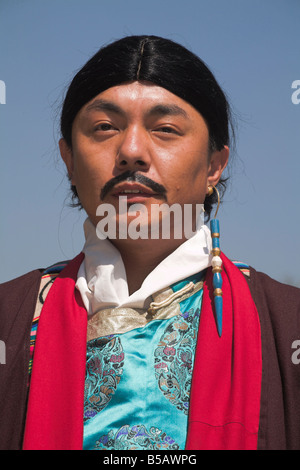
{"x":144,"y":97}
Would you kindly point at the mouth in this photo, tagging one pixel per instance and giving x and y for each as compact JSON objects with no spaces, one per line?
{"x":133,"y":191}
{"x":133,"y":184}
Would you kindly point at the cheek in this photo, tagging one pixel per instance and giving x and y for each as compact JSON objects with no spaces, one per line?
{"x":190,"y":172}
{"x":88,"y":179}
{"x":187,"y":182}
{"x":89,"y":167}
{"x":84,"y":177}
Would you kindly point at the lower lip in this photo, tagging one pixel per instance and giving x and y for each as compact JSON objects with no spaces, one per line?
{"x":134,"y":197}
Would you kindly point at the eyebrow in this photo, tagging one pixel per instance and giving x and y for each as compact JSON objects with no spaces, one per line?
{"x":157,"y":110}
{"x":167,"y":110}
{"x":103,"y":105}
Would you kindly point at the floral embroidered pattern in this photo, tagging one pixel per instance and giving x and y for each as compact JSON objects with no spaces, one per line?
{"x":174,"y":359}
{"x":105,"y":360}
{"x":136,"y":438}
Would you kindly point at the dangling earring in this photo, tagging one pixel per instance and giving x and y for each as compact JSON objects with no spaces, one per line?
{"x":216,"y":264}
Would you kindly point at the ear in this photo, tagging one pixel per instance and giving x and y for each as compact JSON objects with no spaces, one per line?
{"x":67,"y":156}
{"x":217,"y":164}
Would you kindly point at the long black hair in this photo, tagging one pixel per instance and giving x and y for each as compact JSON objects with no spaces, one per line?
{"x":164,"y":63}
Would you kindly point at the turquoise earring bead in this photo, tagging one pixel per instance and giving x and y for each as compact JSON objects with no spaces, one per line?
{"x":214,"y":227}
{"x":218,"y":300}
{"x":217,"y":277}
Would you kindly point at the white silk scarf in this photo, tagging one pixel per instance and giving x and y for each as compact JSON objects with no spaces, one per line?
{"x":102,"y":280}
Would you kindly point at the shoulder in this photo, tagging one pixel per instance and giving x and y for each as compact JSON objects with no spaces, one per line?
{"x":21,"y":284}
{"x":17,"y":300}
{"x":278,"y":308}
{"x":19,"y":295}
{"x":261,"y":284}
{"x":276,"y":293}
{"x":25,"y":280}
{"x":279,"y":301}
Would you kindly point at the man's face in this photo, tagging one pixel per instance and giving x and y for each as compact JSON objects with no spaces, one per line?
{"x":143,"y":128}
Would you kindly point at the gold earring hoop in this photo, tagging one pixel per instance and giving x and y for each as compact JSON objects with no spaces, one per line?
{"x":210,"y":191}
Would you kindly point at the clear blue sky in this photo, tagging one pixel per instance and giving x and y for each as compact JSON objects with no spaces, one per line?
{"x":252,"y":46}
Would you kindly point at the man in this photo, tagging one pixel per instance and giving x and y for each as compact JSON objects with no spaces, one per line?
{"x":133,"y":347}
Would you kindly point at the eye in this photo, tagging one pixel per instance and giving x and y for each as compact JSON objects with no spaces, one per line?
{"x":166,"y":130}
{"x":104,"y":127}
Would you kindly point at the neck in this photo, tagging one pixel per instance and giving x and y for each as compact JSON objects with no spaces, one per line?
{"x":140,"y":257}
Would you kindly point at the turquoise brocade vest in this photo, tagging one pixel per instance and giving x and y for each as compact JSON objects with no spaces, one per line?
{"x":138,"y":374}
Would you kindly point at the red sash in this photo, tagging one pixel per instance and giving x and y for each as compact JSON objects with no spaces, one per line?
{"x":225,"y":394}
{"x":55,"y":408}
{"x":226,"y":384}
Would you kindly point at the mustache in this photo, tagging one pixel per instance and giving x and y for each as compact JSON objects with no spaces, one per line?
{"x":135,"y":177}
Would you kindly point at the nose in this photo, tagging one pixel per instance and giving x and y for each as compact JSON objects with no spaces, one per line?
{"x":133,"y":152}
